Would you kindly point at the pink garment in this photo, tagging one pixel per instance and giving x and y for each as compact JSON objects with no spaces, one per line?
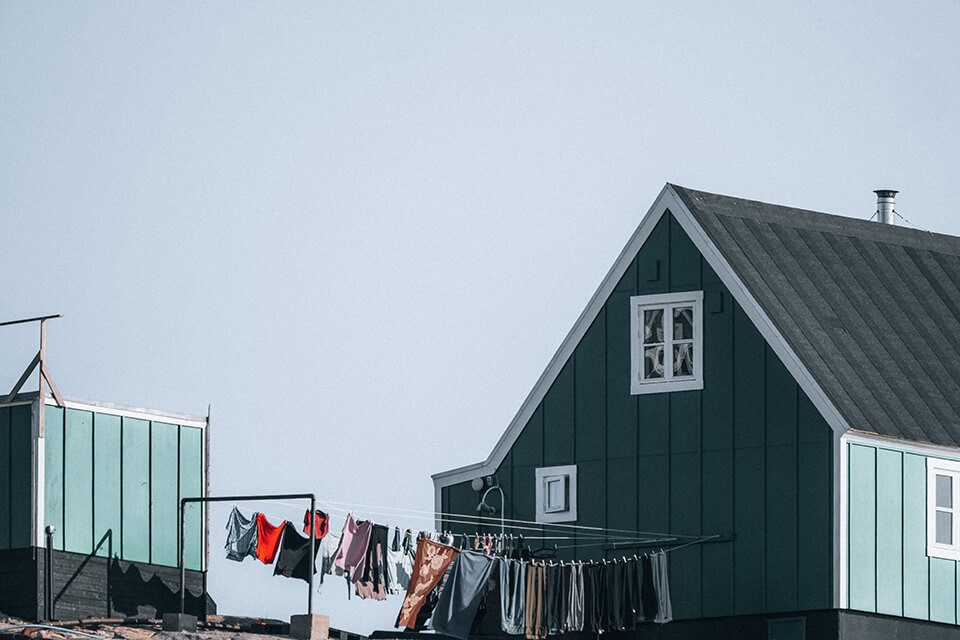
{"x":346,"y":537}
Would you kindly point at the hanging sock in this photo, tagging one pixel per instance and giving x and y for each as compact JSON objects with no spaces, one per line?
{"x":293,"y":561}
{"x":321,"y":523}
{"x":241,"y":536}
{"x":268,"y":539}
{"x":431,"y":562}
{"x":461,"y":596}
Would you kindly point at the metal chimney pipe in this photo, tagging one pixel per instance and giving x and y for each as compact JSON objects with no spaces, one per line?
{"x":885,"y":210}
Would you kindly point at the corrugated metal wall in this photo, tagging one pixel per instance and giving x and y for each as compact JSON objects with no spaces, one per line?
{"x":747,"y":455}
{"x":113,"y":486}
{"x":888,"y":570}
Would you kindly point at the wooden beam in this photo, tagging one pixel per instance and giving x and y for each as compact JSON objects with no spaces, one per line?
{"x":38,"y":318}
{"x":23,"y":379}
{"x":53,"y":388}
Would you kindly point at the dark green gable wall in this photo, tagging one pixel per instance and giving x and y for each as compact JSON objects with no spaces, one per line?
{"x":747,"y":456}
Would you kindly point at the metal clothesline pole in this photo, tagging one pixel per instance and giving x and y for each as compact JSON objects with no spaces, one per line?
{"x":284,"y":496}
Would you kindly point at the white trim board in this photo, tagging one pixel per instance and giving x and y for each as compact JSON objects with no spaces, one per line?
{"x":131,"y":412}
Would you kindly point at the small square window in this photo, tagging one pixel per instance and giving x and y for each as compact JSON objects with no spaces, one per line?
{"x":666,"y":350}
{"x":556,"y":494}
{"x":943,"y":510}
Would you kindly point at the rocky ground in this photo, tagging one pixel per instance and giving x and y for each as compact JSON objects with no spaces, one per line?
{"x":215,"y":628}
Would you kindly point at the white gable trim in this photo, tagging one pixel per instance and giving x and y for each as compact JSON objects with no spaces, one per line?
{"x":569,"y":344}
{"x":668,"y":199}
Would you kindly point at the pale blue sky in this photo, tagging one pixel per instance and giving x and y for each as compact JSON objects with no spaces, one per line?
{"x":360,"y":230}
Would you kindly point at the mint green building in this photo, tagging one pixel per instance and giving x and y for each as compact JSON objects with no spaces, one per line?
{"x":108,"y":480}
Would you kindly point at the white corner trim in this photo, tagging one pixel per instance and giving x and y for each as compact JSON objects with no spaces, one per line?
{"x":840,"y":479}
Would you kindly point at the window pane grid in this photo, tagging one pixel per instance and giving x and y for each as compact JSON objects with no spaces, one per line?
{"x":668,"y":347}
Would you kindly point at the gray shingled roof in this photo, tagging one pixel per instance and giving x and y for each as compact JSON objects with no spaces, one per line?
{"x":872,"y":310}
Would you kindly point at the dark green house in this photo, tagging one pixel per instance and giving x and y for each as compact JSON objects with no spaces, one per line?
{"x":108,"y":480}
{"x":783,"y":380}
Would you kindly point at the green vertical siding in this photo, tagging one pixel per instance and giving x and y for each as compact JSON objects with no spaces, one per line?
{"x":164,"y":493}
{"x":53,"y":472}
{"x":78,"y":485}
{"x":106,"y":484}
{"x":15,"y":464}
{"x":748,"y":456}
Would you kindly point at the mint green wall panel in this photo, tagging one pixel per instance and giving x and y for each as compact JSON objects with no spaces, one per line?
{"x":78,"y":485}
{"x":528,"y":449}
{"x":164,"y":493}
{"x":889,"y":532}
{"x":943,"y":585}
{"x":5,"y":489}
{"x":916,"y":566}
{"x":106,"y":484}
{"x":654,"y":422}
{"x":135,"y":534}
{"x":862,"y":528}
{"x":191,"y":486}
{"x":53,"y":472}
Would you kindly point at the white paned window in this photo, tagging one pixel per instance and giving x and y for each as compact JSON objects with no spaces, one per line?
{"x":943,"y":509}
{"x":556,"y":494}
{"x":666,"y":335}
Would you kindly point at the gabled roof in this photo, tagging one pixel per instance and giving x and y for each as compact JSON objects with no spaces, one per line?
{"x":872,"y":310}
{"x":866,"y":316}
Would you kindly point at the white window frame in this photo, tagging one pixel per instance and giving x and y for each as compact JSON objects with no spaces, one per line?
{"x":939,"y":467}
{"x":546,"y":475}
{"x":666,"y":302}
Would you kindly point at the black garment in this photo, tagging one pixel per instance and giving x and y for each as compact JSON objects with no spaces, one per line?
{"x":462,"y":594}
{"x":612,"y":604}
{"x":373,"y":581}
{"x":648,"y":594}
{"x":293,"y":560}
{"x":556,"y":600}
{"x":630,"y":602}
{"x":594,"y":593}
